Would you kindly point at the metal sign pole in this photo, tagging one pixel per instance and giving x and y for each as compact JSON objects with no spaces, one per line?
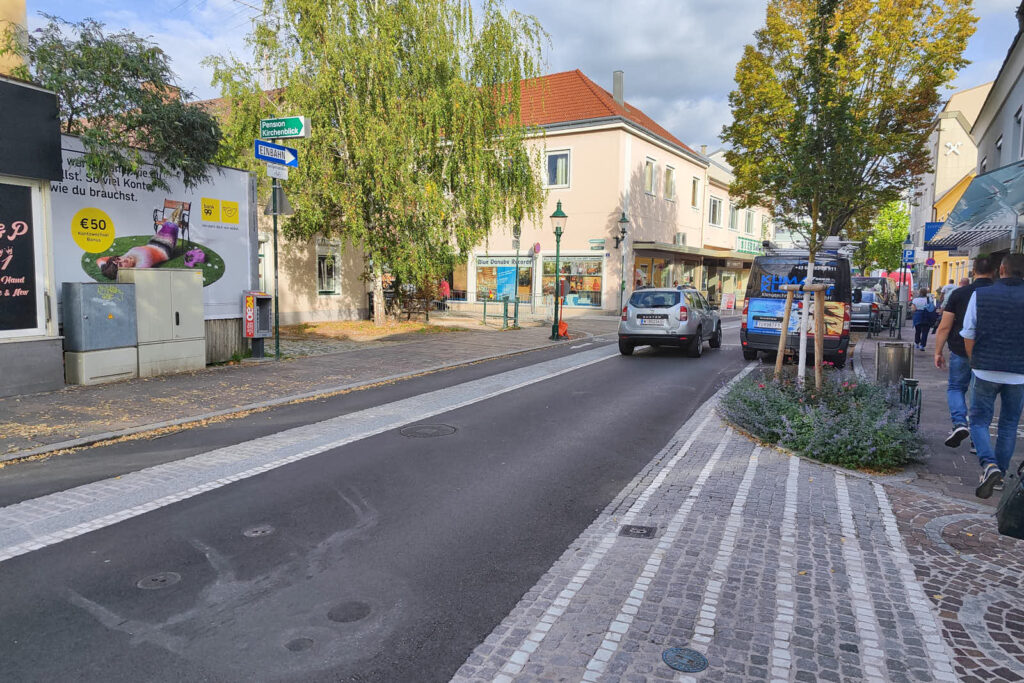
{"x":277,"y":301}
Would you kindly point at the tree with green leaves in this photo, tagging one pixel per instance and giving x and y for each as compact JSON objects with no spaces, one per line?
{"x":116,"y":91}
{"x":833,"y":107}
{"x":883,"y":242}
{"x":417,"y":147}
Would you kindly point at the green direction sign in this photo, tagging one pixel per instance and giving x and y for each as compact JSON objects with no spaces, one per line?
{"x":287,"y":127}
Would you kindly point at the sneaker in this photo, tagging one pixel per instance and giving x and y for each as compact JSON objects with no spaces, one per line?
{"x":990,"y":478}
{"x":957,"y":436}
{"x":974,"y":449}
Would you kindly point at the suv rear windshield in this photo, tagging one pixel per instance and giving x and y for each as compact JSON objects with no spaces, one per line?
{"x":654,"y":299}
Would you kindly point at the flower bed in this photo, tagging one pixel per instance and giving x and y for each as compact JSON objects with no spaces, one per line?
{"x":849,"y":423}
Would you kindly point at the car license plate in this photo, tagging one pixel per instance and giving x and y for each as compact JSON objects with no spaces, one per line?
{"x":651,"y":321}
{"x":769,"y":324}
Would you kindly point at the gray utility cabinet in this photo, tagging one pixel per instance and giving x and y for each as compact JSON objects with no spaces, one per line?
{"x":100,"y":332}
{"x":169,"y":309}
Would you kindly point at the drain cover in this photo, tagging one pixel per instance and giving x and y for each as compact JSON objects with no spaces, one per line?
{"x":161,"y":580}
{"x":299,"y":644}
{"x":685,"y":659}
{"x":634,"y":531}
{"x":346,"y":612}
{"x":427,"y":431}
{"x":259,"y":530}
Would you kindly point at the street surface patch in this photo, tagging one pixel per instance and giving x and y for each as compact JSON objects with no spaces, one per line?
{"x":637,"y":531}
{"x":347,"y":612}
{"x":158,"y":581}
{"x":427,"y":431}
{"x":259,"y":530}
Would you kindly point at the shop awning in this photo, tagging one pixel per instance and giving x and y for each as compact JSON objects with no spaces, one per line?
{"x":694,"y":251}
{"x":989,"y":210}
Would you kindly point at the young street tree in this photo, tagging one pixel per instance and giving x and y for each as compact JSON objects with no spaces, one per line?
{"x":117,"y":90}
{"x":417,"y":147}
{"x":883,"y":242}
{"x":832,"y":110}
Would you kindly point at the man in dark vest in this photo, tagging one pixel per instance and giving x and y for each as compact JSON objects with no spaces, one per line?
{"x":992,"y":332}
{"x":959,"y":365}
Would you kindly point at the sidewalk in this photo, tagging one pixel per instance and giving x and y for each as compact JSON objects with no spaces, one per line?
{"x":79,"y":415}
{"x":953,"y":472}
{"x":765,"y":566}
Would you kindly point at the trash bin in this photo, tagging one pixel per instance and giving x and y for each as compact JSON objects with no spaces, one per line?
{"x":893,"y":362}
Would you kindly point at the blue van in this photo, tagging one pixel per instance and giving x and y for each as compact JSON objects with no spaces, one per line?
{"x":761,"y":324}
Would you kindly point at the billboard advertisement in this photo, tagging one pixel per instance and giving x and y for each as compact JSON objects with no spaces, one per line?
{"x":128,"y":222}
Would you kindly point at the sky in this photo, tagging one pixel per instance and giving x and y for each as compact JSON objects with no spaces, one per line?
{"x":679,"y":56}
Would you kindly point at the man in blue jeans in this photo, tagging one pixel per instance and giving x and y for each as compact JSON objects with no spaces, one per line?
{"x":959,"y":365}
{"x":993,"y":330}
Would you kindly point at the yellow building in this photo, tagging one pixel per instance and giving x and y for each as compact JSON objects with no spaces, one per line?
{"x":12,"y":12}
{"x":950,"y":265}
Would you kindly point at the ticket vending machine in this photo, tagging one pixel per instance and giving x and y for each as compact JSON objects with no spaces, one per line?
{"x":257,"y":319}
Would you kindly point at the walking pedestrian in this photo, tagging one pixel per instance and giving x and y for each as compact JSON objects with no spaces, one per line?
{"x":924,"y":317}
{"x":992,"y":332}
{"x":946,"y":290}
{"x":959,"y":365}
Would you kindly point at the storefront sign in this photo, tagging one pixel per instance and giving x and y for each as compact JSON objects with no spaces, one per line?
{"x":503,"y":261}
{"x":746,"y":245}
{"x":734,"y":264}
{"x":18,"y":285}
{"x":597,"y":245}
{"x":131,"y":220}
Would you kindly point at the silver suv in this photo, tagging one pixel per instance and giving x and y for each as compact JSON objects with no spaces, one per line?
{"x":679,"y":317}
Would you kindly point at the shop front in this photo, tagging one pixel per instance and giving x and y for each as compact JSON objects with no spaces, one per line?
{"x":497,"y":278}
{"x":583,"y":277}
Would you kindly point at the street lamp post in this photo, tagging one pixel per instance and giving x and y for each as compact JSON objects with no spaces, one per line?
{"x":904,"y":271}
{"x":517,"y":232}
{"x":558,"y":219}
{"x":620,"y":243}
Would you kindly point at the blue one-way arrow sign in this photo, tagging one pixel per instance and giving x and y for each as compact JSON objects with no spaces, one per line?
{"x":276,"y":154}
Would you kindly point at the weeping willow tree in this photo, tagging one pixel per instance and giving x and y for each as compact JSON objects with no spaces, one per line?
{"x":417,"y":148}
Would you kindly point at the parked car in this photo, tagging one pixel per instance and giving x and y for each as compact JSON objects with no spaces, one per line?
{"x":761,"y":323}
{"x":873,"y":296}
{"x":679,"y":317}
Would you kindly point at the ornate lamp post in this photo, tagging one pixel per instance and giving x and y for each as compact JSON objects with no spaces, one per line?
{"x":517,"y":232}
{"x":620,"y":243}
{"x":558,"y":219}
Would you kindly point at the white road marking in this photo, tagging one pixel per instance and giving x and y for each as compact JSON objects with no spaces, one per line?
{"x":785,"y":596}
{"x":940,"y":658}
{"x":620,"y":624}
{"x":871,"y":654}
{"x":40,"y":522}
{"x":580,"y":346}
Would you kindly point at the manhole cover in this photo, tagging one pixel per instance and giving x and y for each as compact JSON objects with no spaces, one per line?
{"x":635,"y":531}
{"x":346,"y":612}
{"x":685,"y":659}
{"x":427,"y":431}
{"x":161,"y":580}
{"x":299,"y":644}
{"x":259,"y":530}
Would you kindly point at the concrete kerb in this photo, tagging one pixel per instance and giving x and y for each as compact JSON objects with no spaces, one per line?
{"x":291,"y":398}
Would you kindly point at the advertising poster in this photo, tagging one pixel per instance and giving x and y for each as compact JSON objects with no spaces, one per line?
{"x":18,"y":286}
{"x":128,"y":222}
{"x":507,"y":282}
{"x":764,"y":316}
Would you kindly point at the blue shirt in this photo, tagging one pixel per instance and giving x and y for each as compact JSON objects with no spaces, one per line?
{"x":968,"y":331}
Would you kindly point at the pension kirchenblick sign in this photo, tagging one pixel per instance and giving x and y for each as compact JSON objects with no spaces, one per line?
{"x":285,"y":127}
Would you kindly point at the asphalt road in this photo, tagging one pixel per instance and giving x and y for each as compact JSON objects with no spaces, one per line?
{"x":388,"y":559}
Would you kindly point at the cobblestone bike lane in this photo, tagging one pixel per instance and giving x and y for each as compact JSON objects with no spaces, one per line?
{"x":774,"y":568}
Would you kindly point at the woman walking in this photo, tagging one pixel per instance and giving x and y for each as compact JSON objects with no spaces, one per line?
{"x":924,"y":317}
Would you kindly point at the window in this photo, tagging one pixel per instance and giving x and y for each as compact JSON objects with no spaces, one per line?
{"x":715,"y":211}
{"x":649,"y":299}
{"x":984,"y":164}
{"x":999,"y":149}
{"x":670,"y":183}
{"x":695,"y":193}
{"x":558,"y":168}
{"x":582,"y":276}
{"x":734,"y":216}
{"x":496,"y":278}
{"x":649,"y":176}
{"x":326,"y":279}
{"x":748,"y":222}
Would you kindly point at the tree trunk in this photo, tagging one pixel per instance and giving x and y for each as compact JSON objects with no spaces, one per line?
{"x":801,"y":367}
{"x":378,"y":294}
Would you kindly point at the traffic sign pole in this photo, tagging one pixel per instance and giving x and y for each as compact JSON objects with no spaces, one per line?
{"x":277,"y":301}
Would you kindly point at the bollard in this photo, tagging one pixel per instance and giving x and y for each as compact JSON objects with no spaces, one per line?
{"x":516,"y":320}
{"x":910,"y":395}
{"x":485,"y":311}
{"x":504,"y":314}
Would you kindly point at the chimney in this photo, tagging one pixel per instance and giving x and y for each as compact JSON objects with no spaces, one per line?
{"x":617,"y":88}
{"x":704,"y":150}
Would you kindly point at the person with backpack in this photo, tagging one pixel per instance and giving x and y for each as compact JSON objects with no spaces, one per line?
{"x":924,"y":317}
